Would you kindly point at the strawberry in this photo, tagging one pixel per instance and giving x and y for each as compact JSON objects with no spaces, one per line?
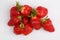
{"x":10,"y":23}
{"x":41,"y":11}
{"x":25,"y":20}
{"x":18,"y":29}
{"x":17,"y":19}
{"x":25,"y":10}
{"x":27,"y":29}
{"x":35,"y":23}
{"x":47,"y":25}
{"x":14,"y":12}
{"x":14,"y":21}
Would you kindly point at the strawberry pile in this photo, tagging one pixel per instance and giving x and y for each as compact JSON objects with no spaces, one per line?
{"x":25,"y":19}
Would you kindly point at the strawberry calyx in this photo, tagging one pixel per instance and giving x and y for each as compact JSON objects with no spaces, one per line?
{"x":18,"y":6}
{"x":19,"y":17}
{"x":21,"y":26}
{"x":44,"y":19}
{"x":33,"y":13}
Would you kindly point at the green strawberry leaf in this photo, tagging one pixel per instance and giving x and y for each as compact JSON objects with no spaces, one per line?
{"x":33,"y":13}
{"x":18,"y":6}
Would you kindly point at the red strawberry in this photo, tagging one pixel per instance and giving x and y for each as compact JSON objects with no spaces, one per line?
{"x":18,"y":29}
{"x":41,"y":11}
{"x":25,"y":20}
{"x":35,"y":23}
{"x":14,"y":12}
{"x":10,"y":23}
{"x":14,"y":21}
{"x":17,"y":19}
{"x":47,"y":25}
{"x":25,"y":10}
{"x":27,"y":29}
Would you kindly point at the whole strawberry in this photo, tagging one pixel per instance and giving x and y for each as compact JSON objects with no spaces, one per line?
{"x":10,"y":23}
{"x":25,"y":20}
{"x":41,"y":11}
{"x":14,"y":21}
{"x":14,"y":12}
{"x":35,"y":23}
{"x":47,"y":25}
{"x":26,"y":10}
{"x":18,"y":29}
{"x":27,"y":29}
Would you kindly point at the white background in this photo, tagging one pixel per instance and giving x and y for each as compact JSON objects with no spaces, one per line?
{"x":53,"y":6}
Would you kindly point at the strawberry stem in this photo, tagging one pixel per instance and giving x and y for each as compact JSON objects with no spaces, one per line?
{"x":21,"y":25}
{"x":19,"y":17}
{"x":33,"y":13}
{"x":18,"y":6}
{"x":17,"y":3}
{"x":44,"y":19}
